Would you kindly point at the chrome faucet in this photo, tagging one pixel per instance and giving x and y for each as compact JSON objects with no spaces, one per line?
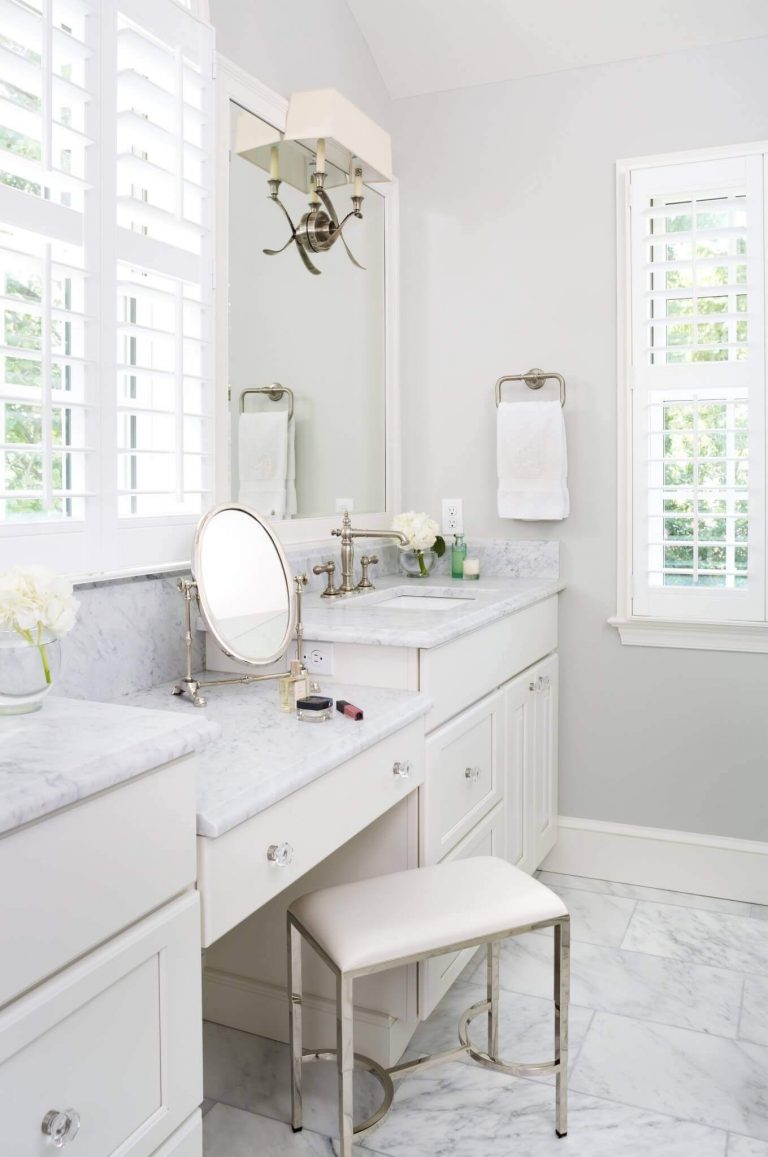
{"x":347,"y":533}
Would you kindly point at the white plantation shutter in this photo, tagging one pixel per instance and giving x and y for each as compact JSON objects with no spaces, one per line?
{"x":106,"y":131}
{"x":698,"y":382}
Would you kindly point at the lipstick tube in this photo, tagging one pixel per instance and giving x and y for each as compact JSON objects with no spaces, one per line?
{"x":348,"y":709}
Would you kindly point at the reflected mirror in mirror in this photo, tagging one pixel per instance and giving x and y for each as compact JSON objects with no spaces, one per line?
{"x":244,"y":585}
{"x":313,"y":443}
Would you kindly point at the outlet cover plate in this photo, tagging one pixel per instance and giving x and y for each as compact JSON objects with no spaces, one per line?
{"x":453,"y":516}
{"x":318,"y":658}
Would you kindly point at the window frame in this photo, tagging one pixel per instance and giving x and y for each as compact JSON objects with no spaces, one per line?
{"x":655,"y":630}
{"x":105,"y":543}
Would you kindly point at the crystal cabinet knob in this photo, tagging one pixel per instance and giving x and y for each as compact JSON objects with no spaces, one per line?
{"x":403,"y":768}
{"x":280,"y":854}
{"x":61,"y":1127}
{"x":472,"y":774}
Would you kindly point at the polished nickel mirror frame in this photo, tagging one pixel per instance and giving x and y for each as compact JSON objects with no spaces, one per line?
{"x":192,"y":590}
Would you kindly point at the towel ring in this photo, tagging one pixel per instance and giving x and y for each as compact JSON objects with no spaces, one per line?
{"x":534,"y":380}
{"x":274,"y":392}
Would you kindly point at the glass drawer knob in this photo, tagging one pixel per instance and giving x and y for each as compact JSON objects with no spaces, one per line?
{"x":403,"y":768}
{"x":61,"y":1127}
{"x":472,"y":774}
{"x":280,"y":854}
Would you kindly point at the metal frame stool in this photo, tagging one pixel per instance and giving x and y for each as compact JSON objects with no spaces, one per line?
{"x":416,"y":910}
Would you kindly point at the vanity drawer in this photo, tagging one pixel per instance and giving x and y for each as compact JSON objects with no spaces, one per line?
{"x":461,"y":672}
{"x":85,"y":873}
{"x":464,"y":776}
{"x":116,"y":1037}
{"x":437,"y":974}
{"x":234,"y":875}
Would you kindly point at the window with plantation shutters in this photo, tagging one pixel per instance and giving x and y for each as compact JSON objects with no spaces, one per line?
{"x":696,"y":371}
{"x":106,"y":133}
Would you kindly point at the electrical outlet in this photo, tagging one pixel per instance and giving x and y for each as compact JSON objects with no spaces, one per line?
{"x":453,"y":517}
{"x":318,"y":658}
{"x":343,"y":504}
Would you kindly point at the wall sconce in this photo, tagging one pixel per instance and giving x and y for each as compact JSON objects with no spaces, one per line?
{"x":324,"y":120}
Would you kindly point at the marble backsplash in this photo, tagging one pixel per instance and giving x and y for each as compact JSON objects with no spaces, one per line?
{"x":130,"y":632}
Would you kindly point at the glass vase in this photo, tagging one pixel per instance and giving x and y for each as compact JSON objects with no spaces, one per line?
{"x":27,"y":671}
{"x":417,"y":563}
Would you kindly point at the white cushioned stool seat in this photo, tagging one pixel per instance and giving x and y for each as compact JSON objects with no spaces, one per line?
{"x":367,"y":923}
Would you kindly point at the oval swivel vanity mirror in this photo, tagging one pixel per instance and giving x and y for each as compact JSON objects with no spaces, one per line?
{"x":243,"y":584}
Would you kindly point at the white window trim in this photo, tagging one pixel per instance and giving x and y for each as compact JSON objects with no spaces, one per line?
{"x":637,"y":630}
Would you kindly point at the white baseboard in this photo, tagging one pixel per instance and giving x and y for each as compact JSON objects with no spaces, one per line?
{"x":657,"y":858}
{"x":260,"y":1008}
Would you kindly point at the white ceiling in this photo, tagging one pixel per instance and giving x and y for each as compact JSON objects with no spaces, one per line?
{"x":423,"y":46}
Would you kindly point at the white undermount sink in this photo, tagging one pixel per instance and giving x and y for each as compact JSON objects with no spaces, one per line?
{"x":425,"y":602}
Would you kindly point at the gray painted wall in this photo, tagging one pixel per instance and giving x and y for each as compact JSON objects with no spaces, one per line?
{"x":508,"y":255}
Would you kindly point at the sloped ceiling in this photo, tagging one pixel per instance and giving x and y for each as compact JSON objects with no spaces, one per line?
{"x":423,"y":46}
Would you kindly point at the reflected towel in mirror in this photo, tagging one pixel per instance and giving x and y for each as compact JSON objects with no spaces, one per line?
{"x":263,"y":460}
{"x":532,"y":461}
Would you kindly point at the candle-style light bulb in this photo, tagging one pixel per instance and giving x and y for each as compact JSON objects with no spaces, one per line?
{"x":320,"y":158}
{"x":313,"y":197}
{"x":357,"y":190}
{"x":274,"y":168}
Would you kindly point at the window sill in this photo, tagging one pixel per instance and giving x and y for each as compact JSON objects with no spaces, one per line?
{"x":692,"y":636}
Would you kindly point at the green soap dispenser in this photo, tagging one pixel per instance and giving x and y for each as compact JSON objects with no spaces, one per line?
{"x":458,"y":554}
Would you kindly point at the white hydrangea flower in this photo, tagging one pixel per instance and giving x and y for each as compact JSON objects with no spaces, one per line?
{"x":35,"y":599}
{"x":420,"y":530}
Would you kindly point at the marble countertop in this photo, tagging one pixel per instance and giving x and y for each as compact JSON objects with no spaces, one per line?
{"x":265,"y":754}
{"x":73,"y":748}
{"x":366,"y":618}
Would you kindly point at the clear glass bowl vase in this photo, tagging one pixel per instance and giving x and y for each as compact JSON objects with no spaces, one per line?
{"x":27,"y":671}
{"x":415,"y":567}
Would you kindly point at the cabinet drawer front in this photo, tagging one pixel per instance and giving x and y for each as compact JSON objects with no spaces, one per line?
{"x":85,"y":873}
{"x":464,"y":776}
{"x":463,"y":671}
{"x":235,"y":876}
{"x":438,"y":974}
{"x":116,"y":1037}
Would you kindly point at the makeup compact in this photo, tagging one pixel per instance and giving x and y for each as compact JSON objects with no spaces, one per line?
{"x":314,"y":708}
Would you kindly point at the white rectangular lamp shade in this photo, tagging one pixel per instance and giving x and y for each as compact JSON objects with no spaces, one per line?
{"x":325,"y":114}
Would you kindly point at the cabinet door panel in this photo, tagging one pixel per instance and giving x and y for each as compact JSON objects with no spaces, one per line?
{"x":517,"y":710}
{"x":464,"y":773}
{"x":542,"y":765}
{"x":116,"y":1037}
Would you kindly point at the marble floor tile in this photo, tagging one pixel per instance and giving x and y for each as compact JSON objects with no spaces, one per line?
{"x":526,"y":1025}
{"x":465,"y":1111}
{"x":754,"y":1012}
{"x":632,"y":984}
{"x":746,"y":1147}
{"x":721,"y":1083}
{"x":737,"y":943}
{"x":253,"y":1073}
{"x":207,"y":1105}
{"x":557,"y":880}
{"x":759,"y":912}
{"x":595,"y":918}
{"x":229,"y":1132}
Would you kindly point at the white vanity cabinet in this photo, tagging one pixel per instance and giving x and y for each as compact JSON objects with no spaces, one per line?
{"x":101,"y":962}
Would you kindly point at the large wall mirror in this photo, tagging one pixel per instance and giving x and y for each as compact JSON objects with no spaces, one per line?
{"x":307,"y":353}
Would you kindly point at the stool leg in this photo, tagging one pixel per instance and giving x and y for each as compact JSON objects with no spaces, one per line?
{"x":493,"y":998}
{"x":346,"y":1061}
{"x":294,"y":1024}
{"x":562,"y":996}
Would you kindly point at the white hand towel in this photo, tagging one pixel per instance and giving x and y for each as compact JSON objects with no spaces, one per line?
{"x":263,"y":461}
{"x":291,"y":504}
{"x":532,"y":461}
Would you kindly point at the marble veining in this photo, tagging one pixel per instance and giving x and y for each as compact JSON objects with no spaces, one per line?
{"x":129,"y":635}
{"x":367,"y":619}
{"x":595,"y":918}
{"x":509,"y":558}
{"x":754,"y":1010}
{"x":724,"y":941}
{"x":746,"y":1147}
{"x":555,"y":880}
{"x":265,"y":754}
{"x":71,"y":749}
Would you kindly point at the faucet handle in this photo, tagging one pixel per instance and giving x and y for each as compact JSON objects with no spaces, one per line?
{"x":328,"y":568}
{"x":366,"y":560}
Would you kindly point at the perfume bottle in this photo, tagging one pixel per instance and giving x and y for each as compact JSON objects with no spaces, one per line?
{"x":458,"y":554}
{"x":293,"y":686}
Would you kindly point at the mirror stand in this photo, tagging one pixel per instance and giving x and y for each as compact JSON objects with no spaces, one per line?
{"x":189,"y":685}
